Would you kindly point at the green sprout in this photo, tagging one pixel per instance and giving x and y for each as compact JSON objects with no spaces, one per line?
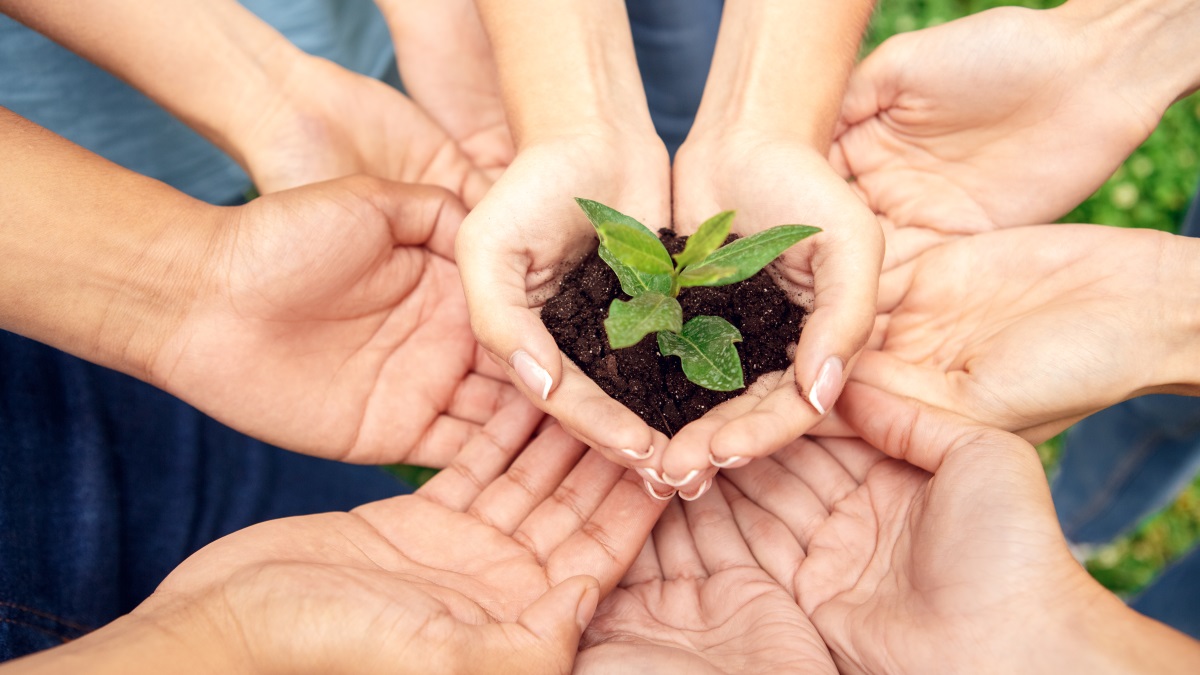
{"x":652,"y":279}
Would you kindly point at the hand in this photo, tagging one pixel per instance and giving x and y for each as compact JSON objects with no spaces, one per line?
{"x":697,"y":601}
{"x":512,"y":251}
{"x":326,"y":122}
{"x":773,"y":181}
{"x":1095,"y":315}
{"x":482,"y":570}
{"x":331,"y":321}
{"x":1007,"y":117}
{"x":446,"y":63}
{"x":964,"y":570}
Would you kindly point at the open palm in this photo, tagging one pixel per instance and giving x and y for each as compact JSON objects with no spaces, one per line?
{"x":332,"y":322}
{"x":697,"y":601}
{"x":908,"y":559}
{"x":457,"y":577}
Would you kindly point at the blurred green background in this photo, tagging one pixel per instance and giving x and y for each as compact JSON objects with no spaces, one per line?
{"x":1152,"y":190}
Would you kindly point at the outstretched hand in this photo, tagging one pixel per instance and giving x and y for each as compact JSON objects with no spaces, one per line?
{"x":696,"y":600}
{"x":1007,"y":117}
{"x":330,"y":320}
{"x":487,"y":568}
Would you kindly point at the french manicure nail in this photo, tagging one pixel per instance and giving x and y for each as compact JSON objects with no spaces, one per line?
{"x":662,"y":498}
{"x":699,"y":491}
{"x":531,"y":373}
{"x":650,"y":474}
{"x":679,"y":483}
{"x":635,"y":455}
{"x":723,"y":463}
{"x":825,"y":388}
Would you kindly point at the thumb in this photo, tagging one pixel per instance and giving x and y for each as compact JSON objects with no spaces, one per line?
{"x":419,"y":215}
{"x":546,"y":636}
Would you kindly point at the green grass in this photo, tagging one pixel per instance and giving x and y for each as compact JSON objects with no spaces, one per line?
{"x":1151,"y":190}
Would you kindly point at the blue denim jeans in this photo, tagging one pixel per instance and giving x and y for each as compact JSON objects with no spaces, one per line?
{"x":1127,"y":462}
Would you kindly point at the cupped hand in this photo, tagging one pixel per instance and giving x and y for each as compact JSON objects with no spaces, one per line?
{"x":512,"y":251}
{"x":1007,"y":117}
{"x":487,"y":568}
{"x":774,"y":181}
{"x":1031,"y":329}
{"x":697,"y":601}
{"x":326,"y":122}
{"x":446,"y":63}
{"x":939,"y":552}
{"x":331,"y":321}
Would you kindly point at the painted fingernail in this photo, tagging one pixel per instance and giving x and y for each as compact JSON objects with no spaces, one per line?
{"x":826,"y":387}
{"x":531,"y":373}
{"x":634,"y":455}
{"x":723,"y":463}
{"x":651,"y":491}
{"x":650,"y":475}
{"x":679,"y":483}
{"x":699,"y":491}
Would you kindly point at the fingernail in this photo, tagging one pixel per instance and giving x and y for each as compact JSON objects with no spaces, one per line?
{"x":650,"y":474}
{"x":679,"y":483}
{"x":634,"y":455}
{"x":587,"y":607}
{"x":723,"y":463}
{"x":662,"y":498}
{"x":533,"y":375}
{"x":825,"y":389}
{"x":698,"y":493}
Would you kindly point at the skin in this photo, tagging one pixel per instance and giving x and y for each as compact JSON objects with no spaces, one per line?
{"x":288,"y":118}
{"x":514,"y":246}
{"x":328,"y":320}
{"x":696,"y":600}
{"x":488,"y":568}
{"x":938,"y":164}
{"x":1097,"y":315}
{"x":938,"y":552}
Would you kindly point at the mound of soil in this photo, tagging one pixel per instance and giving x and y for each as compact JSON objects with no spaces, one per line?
{"x":649,"y":384}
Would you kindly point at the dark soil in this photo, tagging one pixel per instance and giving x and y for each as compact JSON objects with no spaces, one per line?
{"x":654,"y":386}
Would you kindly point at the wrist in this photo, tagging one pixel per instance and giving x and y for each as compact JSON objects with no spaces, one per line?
{"x":1180,"y":265}
{"x":1147,"y":46}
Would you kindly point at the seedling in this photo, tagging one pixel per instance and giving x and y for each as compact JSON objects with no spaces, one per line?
{"x":653,"y":278}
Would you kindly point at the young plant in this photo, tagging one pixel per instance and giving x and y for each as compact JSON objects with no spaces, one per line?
{"x":652,"y":279}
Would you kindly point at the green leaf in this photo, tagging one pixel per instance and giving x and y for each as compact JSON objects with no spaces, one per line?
{"x":750,"y":254}
{"x":636,"y":247}
{"x":629,"y":322}
{"x":705,"y":346}
{"x":599,"y":214}
{"x":707,"y":239}
{"x":705,"y":275}
{"x":633,"y":282}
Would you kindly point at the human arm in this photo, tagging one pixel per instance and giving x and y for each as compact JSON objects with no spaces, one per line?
{"x":1097,"y":315}
{"x":578,"y":115}
{"x":938,"y":552}
{"x":286,"y":117}
{"x":759,"y":146}
{"x":328,"y":320}
{"x":487,"y":568}
{"x":1011,"y":116}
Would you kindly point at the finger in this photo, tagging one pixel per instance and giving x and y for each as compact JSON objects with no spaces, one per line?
{"x":483,"y":458}
{"x":690,"y":457}
{"x":845,"y":281}
{"x":777,"y":419}
{"x":824,"y":476}
{"x":675,"y":545}
{"x":418,"y":214}
{"x":906,"y":429}
{"x":777,"y":491}
{"x":533,"y":476}
{"x":478,"y":398}
{"x":547,"y":633}
{"x":853,"y":454}
{"x":645,"y":567}
{"x":872,"y":87}
{"x":932,"y":385}
{"x":569,"y":506}
{"x":906,"y":243}
{"x":611,"y":538}
{"x":770,"y":541}
{"x":718,"y":541}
